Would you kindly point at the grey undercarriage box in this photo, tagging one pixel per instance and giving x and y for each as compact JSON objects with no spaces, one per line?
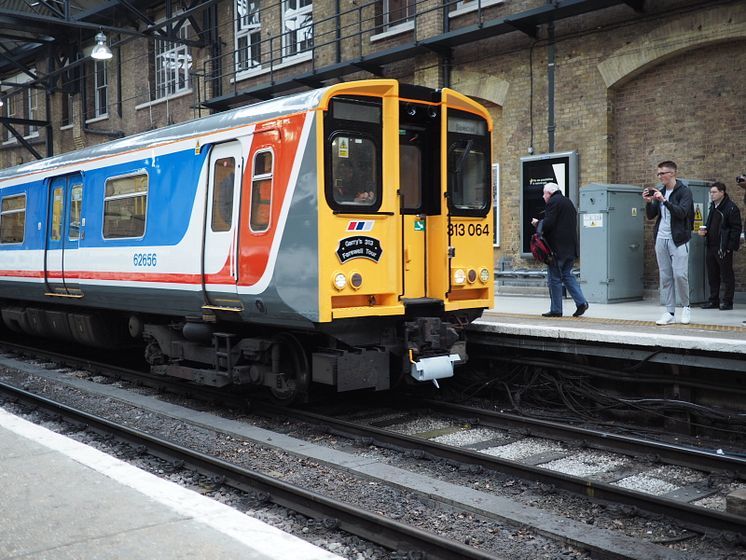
{"x":363,"y":369}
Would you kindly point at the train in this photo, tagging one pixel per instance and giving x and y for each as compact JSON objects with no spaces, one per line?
{"x":336,"y":239}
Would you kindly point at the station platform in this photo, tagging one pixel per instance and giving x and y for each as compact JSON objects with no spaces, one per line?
{"x":63,"y":500}
{"x":713,"y":338}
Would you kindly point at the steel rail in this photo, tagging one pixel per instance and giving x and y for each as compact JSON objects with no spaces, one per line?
{"x":372,"y":527}
{"x":674,"y":454}
{"x":684,"y":512}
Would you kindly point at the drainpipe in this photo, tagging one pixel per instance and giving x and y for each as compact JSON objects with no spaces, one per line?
{"x":338,"y":37}
{"x":551,"y":53}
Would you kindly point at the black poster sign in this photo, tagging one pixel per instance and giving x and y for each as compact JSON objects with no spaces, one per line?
{"x":359,"y":247}
{"x":537,"y":171}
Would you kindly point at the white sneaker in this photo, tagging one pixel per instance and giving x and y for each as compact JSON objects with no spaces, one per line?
{"x":686,"y":315}
{"x":666,"y":318}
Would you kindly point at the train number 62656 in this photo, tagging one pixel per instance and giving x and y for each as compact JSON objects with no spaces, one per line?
{"x":144,"y":259}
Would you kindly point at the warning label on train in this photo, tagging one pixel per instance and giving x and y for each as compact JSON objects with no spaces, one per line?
{"x":359,"y":247}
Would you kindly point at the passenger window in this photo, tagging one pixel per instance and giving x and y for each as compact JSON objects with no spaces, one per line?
{"x":58,"y":204}
{"x":354,"y":171}
{"x":12,"y":219}
{"x":224,"y":173}
{"x":76,"y":201}
{"x":125,"y":205}
{"x":261,"y":191}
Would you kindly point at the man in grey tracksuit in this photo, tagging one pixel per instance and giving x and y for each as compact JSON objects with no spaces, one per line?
{"x":673,"y":209}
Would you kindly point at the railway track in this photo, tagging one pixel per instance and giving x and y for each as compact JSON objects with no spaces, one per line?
{"x":384,"y":433}
{"x":537,"y":466}
{"x":381,"y":530}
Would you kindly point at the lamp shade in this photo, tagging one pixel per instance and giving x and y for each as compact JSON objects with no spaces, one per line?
{"x":101,"y":51}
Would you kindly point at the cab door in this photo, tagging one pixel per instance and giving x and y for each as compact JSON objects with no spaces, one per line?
{"x":62,"y":266}
{"x":219,"y":262}
{"x":412,"y":209}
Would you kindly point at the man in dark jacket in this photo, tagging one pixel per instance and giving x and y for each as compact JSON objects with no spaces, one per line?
{"x":560,"y":228}
{"x":722,"y":232}
{"x":673,"y":211}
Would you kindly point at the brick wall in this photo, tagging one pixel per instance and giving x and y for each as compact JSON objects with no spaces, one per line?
{"x":676,"y":111}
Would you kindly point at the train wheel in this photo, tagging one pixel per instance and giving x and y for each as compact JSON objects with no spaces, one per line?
{"x":289,"y":359}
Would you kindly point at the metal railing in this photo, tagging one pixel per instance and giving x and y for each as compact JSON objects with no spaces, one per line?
{"x":347,"y":36}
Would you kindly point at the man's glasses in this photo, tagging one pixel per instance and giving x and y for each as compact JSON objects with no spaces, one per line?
{"x":661,"y":173}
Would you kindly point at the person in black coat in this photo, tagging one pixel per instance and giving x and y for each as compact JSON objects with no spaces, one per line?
{"x":560,"y":229}
{"x":722,"y":234}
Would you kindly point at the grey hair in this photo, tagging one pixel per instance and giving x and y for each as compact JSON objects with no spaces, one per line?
{"x":551,"y":188}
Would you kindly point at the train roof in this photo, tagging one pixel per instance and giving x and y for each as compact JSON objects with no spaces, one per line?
{"x":257,"y":112}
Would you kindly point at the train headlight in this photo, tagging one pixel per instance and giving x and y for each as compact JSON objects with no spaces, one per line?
{"x":356,"y":280}
{"x":484,"y":275}
{"x":340,"y":281}
{"x":471,"y":276}
{"x":459,"y":276}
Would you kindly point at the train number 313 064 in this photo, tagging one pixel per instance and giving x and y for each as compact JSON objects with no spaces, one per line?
{"x":144,"y":259}
{"x":461,"y":230}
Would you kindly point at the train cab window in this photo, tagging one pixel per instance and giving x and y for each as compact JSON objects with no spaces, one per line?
{"x":224,"y":174}
{"x":58,"y":205}
{"x":410,"y":176}
{"x":468,"y":166}
{"x":12,"y":219}
{"x":76,"y":201}
{"x":354,"y":171}
{"x":353,"y":178}
{"x":125,"y":203}
{"x":261,"y":191}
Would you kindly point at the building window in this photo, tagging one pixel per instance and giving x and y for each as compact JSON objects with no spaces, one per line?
{"x":248,"y":36}
{"x":465,"y":6}
{"x":101,"y":89}
{"x":173,"y":63}
{"x":67,"y":109}
{"x":261,"y":191}
{"x":32,"y":111}
{"x":125,"y":203}
{"x":10,"y":112}
{"x":12,"y":219}
{"x":397,"y":12}
{"x":297,"y":27}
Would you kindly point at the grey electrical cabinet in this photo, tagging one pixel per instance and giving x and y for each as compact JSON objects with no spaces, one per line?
{"x":611,"y":220}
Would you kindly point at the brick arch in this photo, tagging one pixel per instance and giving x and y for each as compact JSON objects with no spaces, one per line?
{"x":673,"y":38}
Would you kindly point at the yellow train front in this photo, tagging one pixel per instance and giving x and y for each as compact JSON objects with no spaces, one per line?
{"x":405,"y":240}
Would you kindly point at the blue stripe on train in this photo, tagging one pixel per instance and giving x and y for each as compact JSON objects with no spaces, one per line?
{"x":172,"y":185}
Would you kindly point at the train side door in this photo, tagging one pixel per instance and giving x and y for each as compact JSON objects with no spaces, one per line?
{"x":219,"y":263}
{"x":64,"y":232}
{"x":412,"y":208}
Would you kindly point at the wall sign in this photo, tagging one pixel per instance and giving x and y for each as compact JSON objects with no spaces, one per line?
{"x":359,"y":247}
{"x":537,"y":171}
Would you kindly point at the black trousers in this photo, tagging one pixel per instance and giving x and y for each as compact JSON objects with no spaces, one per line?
{"x":720,"y":270}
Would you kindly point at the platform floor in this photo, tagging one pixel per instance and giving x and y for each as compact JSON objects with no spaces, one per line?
{"x":63,"y":500}
{"x":627,"y":325}
{"x":644,"y":310}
